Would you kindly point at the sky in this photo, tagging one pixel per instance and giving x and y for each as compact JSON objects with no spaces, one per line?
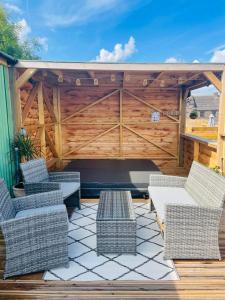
{"x":123,"y":30}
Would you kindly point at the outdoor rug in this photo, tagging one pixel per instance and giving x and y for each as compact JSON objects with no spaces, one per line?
{"x":85,"y":265}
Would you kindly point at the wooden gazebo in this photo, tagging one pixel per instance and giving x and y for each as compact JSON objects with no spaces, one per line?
{"x":102,"y":110}
{"x":99,"y":110}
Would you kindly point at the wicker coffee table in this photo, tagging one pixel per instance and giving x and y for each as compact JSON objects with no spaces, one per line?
{"x":116,"y":223}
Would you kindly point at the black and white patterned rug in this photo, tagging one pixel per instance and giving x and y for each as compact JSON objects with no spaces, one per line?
{"x":85,"y":265}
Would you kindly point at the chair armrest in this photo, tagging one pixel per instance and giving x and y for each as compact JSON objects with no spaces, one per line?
{"x":192,"y":215}
{"x":165,"y":180}
{"x":41,"y":187}
{"x":192,"y":232}
{"x":38,"y":200}
{"x":23,"y":233}
{"x":64,"y":176}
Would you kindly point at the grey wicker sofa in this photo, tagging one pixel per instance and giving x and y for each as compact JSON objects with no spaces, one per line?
{"x":35,"y":231}
{"x":190,"y":210}
{"x":38,"y":180}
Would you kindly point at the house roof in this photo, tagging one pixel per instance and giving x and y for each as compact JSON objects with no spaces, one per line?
{"x":205,"y":103}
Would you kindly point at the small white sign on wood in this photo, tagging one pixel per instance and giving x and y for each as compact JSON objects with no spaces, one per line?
{"x":155,"y":116}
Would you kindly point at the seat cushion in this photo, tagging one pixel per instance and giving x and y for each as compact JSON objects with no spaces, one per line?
{"x":162,"y":196}
{"x":68,"y":188}
{"x":40,"y":210}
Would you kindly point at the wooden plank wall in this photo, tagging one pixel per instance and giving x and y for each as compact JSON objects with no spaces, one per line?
{"x":138,"y":138}
{"x":30,"y":113}
{"x":206,"y":154}
{"x":94,"y":122}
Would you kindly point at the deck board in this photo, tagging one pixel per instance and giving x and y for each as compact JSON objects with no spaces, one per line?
{"x":200,"y":280}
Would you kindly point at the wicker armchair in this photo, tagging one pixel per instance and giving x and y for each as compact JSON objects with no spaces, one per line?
{"x":38,"y":180}
{"x":190,"y":210}
{"x":34,"y":230}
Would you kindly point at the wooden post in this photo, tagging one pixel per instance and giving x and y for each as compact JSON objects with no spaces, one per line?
{"x":196,"y":150}
{"x":182,"y":124}
{"x":121,"y":122}
{"x":15,"y":100}
{"x":221,"y":127}
{"x":41,"y":118}
{"x":17,"y":105}
{"x":58,"y":130}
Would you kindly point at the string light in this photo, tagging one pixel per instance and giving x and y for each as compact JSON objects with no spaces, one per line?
{"x":180,"y":80}
{"x":162,"y":83}
{"x":60,"y":78}
{"x":96,"y":81}
{"x":127,"y":78}
{"x":145,"y":82}
{"x":78,"y":82}
{"x":113,"y":78}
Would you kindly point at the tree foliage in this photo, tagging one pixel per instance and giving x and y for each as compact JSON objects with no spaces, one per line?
{"x":10,"y":42}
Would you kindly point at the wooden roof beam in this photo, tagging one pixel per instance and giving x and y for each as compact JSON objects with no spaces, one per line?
{"x":198,"y":85}
{"x":193,"y":77}
{"x":91,"y":74}
{"x":59,"y":74}
{"x":25,"y":77}
{"x":94,"y":66}
{"x":214,"y":80}
{"x":124,"y":79}
{"x":155,"y":79}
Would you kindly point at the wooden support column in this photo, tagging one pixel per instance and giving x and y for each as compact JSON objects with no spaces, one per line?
{"x":58,"y":129}
{"x":18,"y":109}
{"x":221,"y":127}
{"x":121,"y":122}
{"x":183,"y":94}
{"x":196,"y":150}
{"x":41,"y":118}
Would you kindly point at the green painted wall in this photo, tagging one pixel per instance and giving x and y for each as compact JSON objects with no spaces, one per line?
{"x":7,"y":166}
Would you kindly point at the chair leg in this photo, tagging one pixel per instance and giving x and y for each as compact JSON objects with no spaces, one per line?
{"x":151,"y":205}
{"x":73,"y":200}
{"x":79,"y":197}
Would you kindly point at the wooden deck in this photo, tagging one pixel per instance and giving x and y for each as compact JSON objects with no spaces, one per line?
{"x":199,"y":280}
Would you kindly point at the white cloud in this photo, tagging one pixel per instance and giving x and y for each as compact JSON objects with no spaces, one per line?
{"x":77,"y":12}
{"x":119,"y":52}
{"x":12,"y":8}
{"x":204,"y":91}
{"x":43,"y":41}
{"x":23,"y":30}
{"x":218,"y":55}
{"x":215,"y":49}
{"x":172,"y":60}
